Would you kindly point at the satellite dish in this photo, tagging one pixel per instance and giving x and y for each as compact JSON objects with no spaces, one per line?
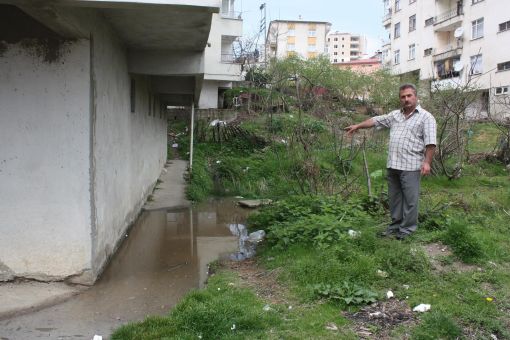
{"x":458,"y":32}
{"x":457,"y":66}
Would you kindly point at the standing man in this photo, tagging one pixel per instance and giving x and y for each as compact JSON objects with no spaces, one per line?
{"x":411,"y":149}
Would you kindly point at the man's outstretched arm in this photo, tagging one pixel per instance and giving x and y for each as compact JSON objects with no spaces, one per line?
{"x":370,"y":122}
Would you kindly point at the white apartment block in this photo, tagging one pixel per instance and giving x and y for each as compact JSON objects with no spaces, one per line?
{"x":304,"y":38}
{"x":221,"y":66}
{"x":345,"y":47}
{"x":451,"y":42}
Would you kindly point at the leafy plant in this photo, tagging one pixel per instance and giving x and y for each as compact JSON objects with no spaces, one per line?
{"x":348,"y":293}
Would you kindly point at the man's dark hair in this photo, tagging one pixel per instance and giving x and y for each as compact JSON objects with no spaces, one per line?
{"x":408,"y":86}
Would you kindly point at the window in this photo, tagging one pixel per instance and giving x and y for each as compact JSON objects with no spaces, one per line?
{"x":504,"y":66}
{"x":397,"y":5}
{"x":397,"y":30}
{"x":502,"y":90}
{"x":312,"y":33}
{"x":335,"y":60}
{"x":504,"y":26}
{"x":427,"y":52}
{"x":336,"y":39}
{"x":429,"y":21}
{"x":412,"y":51}
{"x":312,"y":48}
{"x":412,"y":1}
{"x":354,"y":46}
{"x":329,"y":39}
{"x":342,"y":60}
{"x":291,"y":32}
{"x":475,"y":1}
{"x":476,"y":64}
{"x":396,"y":57}
{"x":342,"y":46}
{"x":291,"y":47}
{"x":412,"y":23}
{"x":335,"y":46}
{"x":336,"y":53}
{"x":343,"y":53}
{"x":477,"y":28}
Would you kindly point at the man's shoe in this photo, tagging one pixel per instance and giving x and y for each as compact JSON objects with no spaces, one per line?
{"x":401,"y":236}
{"x":388,"y":233}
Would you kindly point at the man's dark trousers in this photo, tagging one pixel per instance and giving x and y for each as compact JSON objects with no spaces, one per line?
{"x":404,"y":193}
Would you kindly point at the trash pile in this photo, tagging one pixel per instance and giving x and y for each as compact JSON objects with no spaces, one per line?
{"x":247,"y":243}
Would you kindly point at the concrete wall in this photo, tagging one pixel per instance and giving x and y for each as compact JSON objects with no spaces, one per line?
{"x":44,"y":161}
{"x":129,"y":147}
{"x":76,"y":164}
{"x":209,"y":96}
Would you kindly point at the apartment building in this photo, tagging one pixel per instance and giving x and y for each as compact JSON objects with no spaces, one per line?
{"x":451,"y":42}
{"x":221,"y":66}
{"x":344,"y":47}
{"x":83,"y":129}
{"x":304,"y":38}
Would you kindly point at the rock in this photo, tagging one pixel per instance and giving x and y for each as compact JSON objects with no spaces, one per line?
{"x":254,"y":203}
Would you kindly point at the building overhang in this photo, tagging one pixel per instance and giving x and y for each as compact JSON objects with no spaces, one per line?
{"x":154,"y":24}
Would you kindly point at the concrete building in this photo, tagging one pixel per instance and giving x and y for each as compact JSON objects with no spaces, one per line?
{"x":365,"y":66}
{"x":304,"y":38}
{"x":83,"y":87}
{"x":451,"y":42}
{"x":222,"y":66}
{"x":344,"y":47}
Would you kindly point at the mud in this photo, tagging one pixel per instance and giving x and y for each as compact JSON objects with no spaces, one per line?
{"x":165,"y":255}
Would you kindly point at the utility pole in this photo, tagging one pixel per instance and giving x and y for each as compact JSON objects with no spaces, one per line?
{"x":263,"y":28}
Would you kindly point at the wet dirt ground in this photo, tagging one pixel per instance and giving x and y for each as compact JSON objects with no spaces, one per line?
{"x":165,"y":254}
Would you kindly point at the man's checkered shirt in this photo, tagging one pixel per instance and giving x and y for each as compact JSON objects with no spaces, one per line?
{"x":408,"y":137}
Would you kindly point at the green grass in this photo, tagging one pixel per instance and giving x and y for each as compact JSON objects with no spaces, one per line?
{"x":323,"y":268}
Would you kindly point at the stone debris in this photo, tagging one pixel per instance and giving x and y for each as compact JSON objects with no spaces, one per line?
{"x":254,"y":203}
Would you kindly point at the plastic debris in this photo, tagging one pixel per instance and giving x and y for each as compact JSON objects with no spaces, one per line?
{"x":267,"y":308}
{"x":97,"y":337}
{"x":354,"y":233}
{"x":290,"y":307}
{"x":233,"y":327}
{"x":247,"y":243}
{"x":405,"y":286}
{"x":389,"y":294}
{"x":218,"y":122}
{"x":219,"y":288}
{"x":375,"y":314}
{"x":489,"y":299}
{"x":422,"y":307}
{"x":381,"y":273}
{"x":218,"y":162}
{"x":175,"y":145}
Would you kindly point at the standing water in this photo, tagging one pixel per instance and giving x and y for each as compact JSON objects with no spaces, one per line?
{"x":165,"y":254}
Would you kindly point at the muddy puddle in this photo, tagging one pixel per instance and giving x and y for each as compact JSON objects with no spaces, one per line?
{"x":165,"y":255}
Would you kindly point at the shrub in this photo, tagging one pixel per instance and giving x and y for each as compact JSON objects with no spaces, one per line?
{"x":463,"y":243}
{"x":436,"y":325}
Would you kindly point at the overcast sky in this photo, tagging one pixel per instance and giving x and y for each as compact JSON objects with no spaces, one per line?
{"x":358,"y":16}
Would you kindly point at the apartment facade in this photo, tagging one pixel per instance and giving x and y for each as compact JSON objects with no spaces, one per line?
{"x":222,"y":66}
{"x":363,"y":66}
{"x":304,"y":38}
{"x":344,"y":47}
{"x":451,"y":42}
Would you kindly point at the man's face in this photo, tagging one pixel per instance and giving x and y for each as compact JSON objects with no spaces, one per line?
{"x":408,"y":99}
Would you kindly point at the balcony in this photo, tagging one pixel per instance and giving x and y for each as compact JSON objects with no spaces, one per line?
{"x":448,"y":53}
{"x":231,"y":15}
{"x":387,"y":17}
{"x":449,"y":20}
{"x":229,"y":58}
